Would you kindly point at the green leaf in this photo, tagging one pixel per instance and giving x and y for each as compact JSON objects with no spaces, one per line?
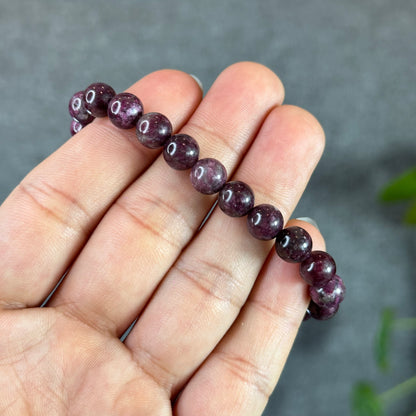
{"x":383,"y":339}
{"x":410,"y":217}
{"x":401,"y":188}
{"x":365,"y":401}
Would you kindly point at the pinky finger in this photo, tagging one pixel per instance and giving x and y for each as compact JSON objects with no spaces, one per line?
{"x":243,"y":370}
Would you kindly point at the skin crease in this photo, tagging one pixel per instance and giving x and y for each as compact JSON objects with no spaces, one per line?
{"x":218,"y":334}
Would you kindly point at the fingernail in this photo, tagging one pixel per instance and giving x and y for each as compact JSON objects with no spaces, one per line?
{"x":198,"y":81}
{"x":309,"y":220}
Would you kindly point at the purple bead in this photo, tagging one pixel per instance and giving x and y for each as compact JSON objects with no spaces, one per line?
{"x":97,"y":96}
{"x":153,"y":129}
{"x":236,"y":199}
{"x":318,"y":269}
{"x":264,"y":221}
{"x":322,"y":313}
{"x":181,"y":152}
{"x":76,"y":126}
{"x":307,"y":315}
{"x":124,"y":110}
{"x":293,"y":244}
{"x":329,"y":295}
{"x":208,"y":176}
{"x":77,"y":109}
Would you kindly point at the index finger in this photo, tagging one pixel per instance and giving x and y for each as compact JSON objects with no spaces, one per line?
{"x":49,"y":216}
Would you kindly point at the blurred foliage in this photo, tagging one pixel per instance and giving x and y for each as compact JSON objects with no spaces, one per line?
{"x":403,"y":188}
{"x":365,"y":401}
{"x":383,"y":339}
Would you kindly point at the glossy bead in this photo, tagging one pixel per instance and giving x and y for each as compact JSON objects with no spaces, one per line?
{"x":307,"y":315}
{"x":318,"y":268}
{"x":97,"y":96}
{"x":264,"y":221}
{"x":77,"y":110}
{"x":208,"y":176}
{"x":236,"y":199}
{"x":322,"y":313}
{"x":293,"y":244}
{"x":329,"y":295}
{"x":181,"y":151}
{"x":124,"y":110}
{"x":153,"y":129}
{"x":76,"y":126}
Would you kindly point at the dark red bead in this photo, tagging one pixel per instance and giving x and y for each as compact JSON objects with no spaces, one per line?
{"x":331,"y":294}
{"x":181,"y":152}
{"x":322,"y":313}
{"x":77,"y":110}
{"x":153,"y":129}
{"x":124,"y":110}
{"x":97,"y":96}
{"x":293,"y":244}
{"x":264,"y":221}
{"x":208,"y":176}
{"x":76,"y":126}
{"x":318,"y":269}
{"x":236,"y":199}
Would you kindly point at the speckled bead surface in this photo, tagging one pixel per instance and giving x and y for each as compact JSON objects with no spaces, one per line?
{"x":322,"y":313}
{"x":329,"y":295}
{"x":153,"y":130}
{"x":236,"y":199}
{"x":264,"y":221}
{"x":181,"y":152}
{"x":293,"y":244}
{"x":318,"y":268}
{"x":208,"y":176}
{"x":75,"y":127}
{"x":97,"y":96}
{"x":77,"y":109}
{"x":124,"y":110}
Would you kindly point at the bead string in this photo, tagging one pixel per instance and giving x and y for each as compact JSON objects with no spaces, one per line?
{"x":209,"y":176}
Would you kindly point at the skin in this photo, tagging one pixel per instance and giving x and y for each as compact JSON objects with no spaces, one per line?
{"x":218,"y":310}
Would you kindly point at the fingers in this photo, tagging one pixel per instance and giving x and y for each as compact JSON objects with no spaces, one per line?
{"x":50,"y":215}
{"x":147,"y":228}
{"x":203,"y":292}
{"x":243,"y":370}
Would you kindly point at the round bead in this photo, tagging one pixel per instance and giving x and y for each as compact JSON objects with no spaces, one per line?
{"x":153,"y":129}
{"x":77,"y":110}
{"x":322,"y":313}
{"x":264,"y":221}
{"x":124,"y":110}
{"x":76,"y":126}
{"x":307,"y":315}
{"x":181,"y":152}
{"x":318,"y":269}
{"x":236,"y":199}
{"x":97,"y":96}
{"x":208,"y":176}
{"x":293,"y":244}
{"x":329,"y":295}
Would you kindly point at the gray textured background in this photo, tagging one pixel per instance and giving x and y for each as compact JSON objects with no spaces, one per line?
{"x":351,"y":63}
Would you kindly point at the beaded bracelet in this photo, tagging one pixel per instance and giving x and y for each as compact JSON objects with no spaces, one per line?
{"x":209,"y":176}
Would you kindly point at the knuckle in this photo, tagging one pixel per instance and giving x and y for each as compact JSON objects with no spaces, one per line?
{"x":247,"y":372}
{"x":56,"y":204}
{"x":218,"y":283}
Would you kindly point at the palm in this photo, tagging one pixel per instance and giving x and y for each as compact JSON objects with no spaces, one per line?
{"x":217,"y":314}
{"x":50,"y":361}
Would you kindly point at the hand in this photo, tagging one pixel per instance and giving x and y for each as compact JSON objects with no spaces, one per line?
{"x":218,"y":311}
